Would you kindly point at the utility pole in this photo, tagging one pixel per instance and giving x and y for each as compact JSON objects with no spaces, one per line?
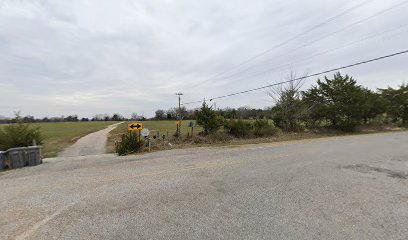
{"x":179,"y":115}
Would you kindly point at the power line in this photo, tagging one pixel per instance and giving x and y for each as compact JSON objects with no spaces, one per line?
{"x":286,"y":42}
{"x":304,"y":45}
{"x":313,"y":75}
{"x":367,"y":37}
{"x":308,"y":76}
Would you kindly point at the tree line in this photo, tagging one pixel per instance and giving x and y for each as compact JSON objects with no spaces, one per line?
{"x":70,"y":118}
{"x":337,"y":102}
{"x":243,"y":112}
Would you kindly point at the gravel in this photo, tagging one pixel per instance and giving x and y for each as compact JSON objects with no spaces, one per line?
{"x":329,"y":188}
{"x":91,"y":144}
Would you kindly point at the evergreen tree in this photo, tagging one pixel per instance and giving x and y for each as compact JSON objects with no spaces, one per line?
{"x":339,"y":100}
{"x":208,"y":119}
{"x":396,"y":103}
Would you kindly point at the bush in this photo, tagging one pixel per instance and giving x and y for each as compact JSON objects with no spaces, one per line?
{"x":128,"y":144}
{"x":19,"y":135}
{"x":209,"y":119}
{"x":263,"y":128}
{"x":239,"y":128}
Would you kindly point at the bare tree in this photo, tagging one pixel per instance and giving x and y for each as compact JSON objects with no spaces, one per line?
{"x":134,"y":116}
{"x":289,"y":108}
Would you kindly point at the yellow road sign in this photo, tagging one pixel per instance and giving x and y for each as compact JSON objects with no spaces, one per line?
{"x":178,"y":122}
{"x":136,"y":126}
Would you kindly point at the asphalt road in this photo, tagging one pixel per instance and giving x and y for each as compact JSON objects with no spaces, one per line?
{"x":352,"y":187}
{"x":91,"y":144}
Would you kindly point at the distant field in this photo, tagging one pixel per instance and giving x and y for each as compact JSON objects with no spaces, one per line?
{"x":62,"y":134}
{"x":164,"y":127}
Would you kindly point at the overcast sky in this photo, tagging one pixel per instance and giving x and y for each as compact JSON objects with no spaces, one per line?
{"x":85,"y":57}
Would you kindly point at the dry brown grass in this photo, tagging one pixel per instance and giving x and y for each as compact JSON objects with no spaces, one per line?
{"x":223,"y":139}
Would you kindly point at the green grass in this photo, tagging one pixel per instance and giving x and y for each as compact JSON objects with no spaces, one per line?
{"x":62,"y":134}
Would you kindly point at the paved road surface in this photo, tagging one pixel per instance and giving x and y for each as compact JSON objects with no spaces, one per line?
{"x":91,"y":144}
{"x":336,"y":188}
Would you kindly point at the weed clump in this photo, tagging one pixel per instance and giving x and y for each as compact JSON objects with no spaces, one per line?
{"x":128,"y":144}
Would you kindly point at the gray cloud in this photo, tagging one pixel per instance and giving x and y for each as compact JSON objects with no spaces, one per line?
{"x":103,"y":56}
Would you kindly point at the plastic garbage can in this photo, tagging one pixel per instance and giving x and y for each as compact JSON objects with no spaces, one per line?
{"x":2,"y":160}
{"x":33,"y":154}
{"x":17,"y":157}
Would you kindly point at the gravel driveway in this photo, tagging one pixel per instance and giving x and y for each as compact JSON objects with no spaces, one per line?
{"x":353,"y":187}
{"x":91,"y":144}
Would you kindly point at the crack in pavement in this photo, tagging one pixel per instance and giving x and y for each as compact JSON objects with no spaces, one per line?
{"x":363,"y":168}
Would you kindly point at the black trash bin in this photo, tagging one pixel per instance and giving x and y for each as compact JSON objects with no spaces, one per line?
{"x":2,"y":160}
{"x":17,"y":157}
{"x":33,"y":154}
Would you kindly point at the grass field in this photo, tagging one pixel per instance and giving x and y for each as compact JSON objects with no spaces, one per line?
{"x":62,"y":134}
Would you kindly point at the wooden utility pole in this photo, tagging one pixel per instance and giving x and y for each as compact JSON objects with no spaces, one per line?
{"x":179,"y":115}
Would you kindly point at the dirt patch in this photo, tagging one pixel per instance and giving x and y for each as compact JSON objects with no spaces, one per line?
{"x":363,"y":168}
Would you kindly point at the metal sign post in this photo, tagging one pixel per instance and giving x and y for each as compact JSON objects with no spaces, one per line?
{"x":136,"y":126}
{"x":139,"y":141}
{"x":145,"y":133}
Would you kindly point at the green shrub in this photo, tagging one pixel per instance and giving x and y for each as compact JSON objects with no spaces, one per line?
{"x":19,"y":135}
{"x":128,"y":144}
{"x":209,"y":119}
{"x":263,"y":128}
{"x":239,"y":128}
